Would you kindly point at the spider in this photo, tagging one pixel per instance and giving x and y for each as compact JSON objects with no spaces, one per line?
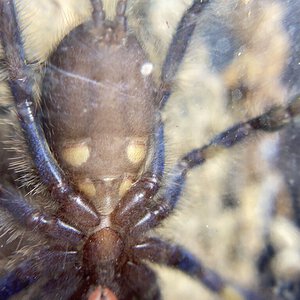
{"x":107,"y":185}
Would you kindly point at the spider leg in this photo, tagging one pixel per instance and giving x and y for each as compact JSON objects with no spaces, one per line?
{"x":61,"y":287}
{"x":137,"y":213}
{"x":21,"y":82}
{"x":180,"y":41}
{"x":178,"y":47}
{"x":120,"y":19}
{"x":132,"y":204}
{"x":98,"y":13}
{"x":161,"y":252}
{"x":154,"y":213}
{"x":142,"y":281}
{"x":35,"y":220}
{"x":28,"y":272}
{"x":158,"y":161}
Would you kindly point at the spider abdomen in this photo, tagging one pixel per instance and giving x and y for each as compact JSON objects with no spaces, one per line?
{"x":99,"y":97}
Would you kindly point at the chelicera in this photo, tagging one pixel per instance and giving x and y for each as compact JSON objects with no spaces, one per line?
{"x":102,"y":161}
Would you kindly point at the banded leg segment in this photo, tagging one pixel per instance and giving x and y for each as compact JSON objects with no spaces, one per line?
{"x":32,"y":219}
{"x":21,"y":82}
{"x":273,"y":120}
{"x":161,"y":252}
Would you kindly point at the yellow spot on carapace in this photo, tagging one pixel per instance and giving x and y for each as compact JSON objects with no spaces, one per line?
{"x":230,"y":293}
{"x":76,"y":155}
{"x":136,"y":151}
{"x":87,"y":187}
{"x":124,"y":186}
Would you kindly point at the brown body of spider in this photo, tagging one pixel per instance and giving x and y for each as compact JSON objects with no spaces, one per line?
{"x":91,"y":138}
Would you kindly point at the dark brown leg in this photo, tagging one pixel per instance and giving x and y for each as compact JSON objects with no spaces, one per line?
{"x":60,"y":287}
{"x":142,"y":281}
{"x":98,"y":13}
{"x":121,"y":20}
{"x":132,"y":206}
{"x":138,"y":212}
{"x":161,"y":252}
{"x":32,"y":219}
{"x":150,"y":213}
{"x":178,"y":47}
{"x":21,"y":82}
{"x":43,"y":263}
{"x":144,"y":189}
{"x":181,"y":40}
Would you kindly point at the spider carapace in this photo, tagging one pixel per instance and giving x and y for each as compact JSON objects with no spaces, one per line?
{"x":96,"y":141}
{"x":99,"y":79}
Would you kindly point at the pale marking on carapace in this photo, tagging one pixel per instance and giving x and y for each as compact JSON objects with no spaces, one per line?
{"x":87,"y":187}
{"x":124,"y":186}
{"x":136,"y":150}
{"x":76,"y":155}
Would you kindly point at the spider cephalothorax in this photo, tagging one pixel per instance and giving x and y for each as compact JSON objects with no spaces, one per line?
{"x":116,"y":111}
{"x":96,"y":140}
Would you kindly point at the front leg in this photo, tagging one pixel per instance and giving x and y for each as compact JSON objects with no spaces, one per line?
{"x":32,"y":219}
{"x":132,"y":205}
{"x":163,"y":253}
{"x":44,"y":263}
{"x":21,"y":82}
{"x":178,"y":47}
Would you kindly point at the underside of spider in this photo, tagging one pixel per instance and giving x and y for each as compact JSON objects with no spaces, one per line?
{"x":103,"y":160}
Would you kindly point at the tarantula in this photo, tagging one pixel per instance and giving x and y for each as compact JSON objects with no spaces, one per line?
{"x":92,"y":134}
